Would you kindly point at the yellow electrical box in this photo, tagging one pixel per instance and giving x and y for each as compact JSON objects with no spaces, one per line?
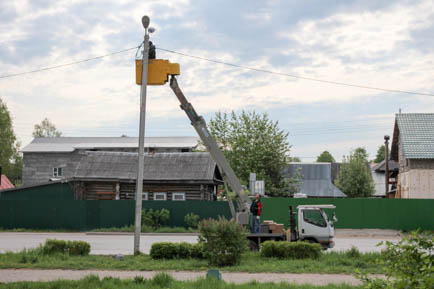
{"x":158,"y":71}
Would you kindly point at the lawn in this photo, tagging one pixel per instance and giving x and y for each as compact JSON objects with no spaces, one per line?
{"x":158,"y":282}
{"x":333,"y":262}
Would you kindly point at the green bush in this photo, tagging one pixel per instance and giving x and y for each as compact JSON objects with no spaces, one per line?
{"x":78,"y":248}
{"x":197,"y":251}
{"x":155,"y":219}
{"x":192,"y":220}
{"x":408,"y":263}
{"x":184,"y":250}
{"x":53,"y":246}
{"x":223,"y":241}
{"x":167,"y":250}
{"x":290,"y":250}
{"x":164,"y":250}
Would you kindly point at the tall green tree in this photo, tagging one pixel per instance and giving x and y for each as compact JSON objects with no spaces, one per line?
{"x":252,"y":142}
{"x":294,"y":159}
{"x":325,"y":157}
{"x":46,"y":129}
{"x":381,"y":152}
{"x":10,"y":158}
{"x":355,"y":179}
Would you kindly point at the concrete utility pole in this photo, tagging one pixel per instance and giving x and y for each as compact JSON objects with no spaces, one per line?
{"x":139,"y":182}
{"x":386,"y":161}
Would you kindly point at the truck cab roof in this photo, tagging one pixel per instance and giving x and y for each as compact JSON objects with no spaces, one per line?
{"x":316,"y":207}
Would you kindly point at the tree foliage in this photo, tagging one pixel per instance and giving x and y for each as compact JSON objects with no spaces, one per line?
{"x":252,"y":142}
{"x":355,"y":179}
{"x":408,"y":263}
{"x":325,"y":157}
{"x":46,"y":129}
{"x":381,"y":152}
{"x":294,"y":159}
{"x":10,"y":158}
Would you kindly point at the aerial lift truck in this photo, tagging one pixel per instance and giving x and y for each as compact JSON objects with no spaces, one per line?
{"x":308,"y":223}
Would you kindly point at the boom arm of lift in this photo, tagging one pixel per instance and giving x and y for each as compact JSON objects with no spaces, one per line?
{"x":199,"y":124}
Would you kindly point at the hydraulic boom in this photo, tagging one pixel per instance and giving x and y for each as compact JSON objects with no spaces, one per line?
{"x":199,"y":124}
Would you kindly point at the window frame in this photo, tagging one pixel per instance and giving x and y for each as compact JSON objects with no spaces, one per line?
{"x":145,"y":196}
{"x":56,"y":172}
{"x":184,"y":197}
{"x":311,"y":221}
{"x":159,"y":193}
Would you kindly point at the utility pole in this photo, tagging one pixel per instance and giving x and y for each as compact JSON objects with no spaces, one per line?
{"x":386,"y":161}
{"x":139,"y":182}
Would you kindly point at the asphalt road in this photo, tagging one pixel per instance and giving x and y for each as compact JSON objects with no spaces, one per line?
{"x":123,"y":244}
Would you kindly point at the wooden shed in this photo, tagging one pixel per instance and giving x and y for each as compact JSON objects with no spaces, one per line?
{"x":167,"y":176}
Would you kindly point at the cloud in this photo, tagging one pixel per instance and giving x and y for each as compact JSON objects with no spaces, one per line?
{"x":358,"y":42}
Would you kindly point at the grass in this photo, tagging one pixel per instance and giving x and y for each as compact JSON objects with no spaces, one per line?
{"x":145,"y":229}
{"x":160,"y":281}
{"x":333,"y":262}
{"x":24,"y":230}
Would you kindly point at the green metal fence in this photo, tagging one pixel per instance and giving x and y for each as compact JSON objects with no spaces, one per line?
{"x":86,"y":215}
{"x":400,"y":214}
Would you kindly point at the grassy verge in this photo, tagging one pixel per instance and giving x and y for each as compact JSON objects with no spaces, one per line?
{"x":24,"y":230}
{"x":146,"y":229}
{"x":124,"y":229}
{"x":332,"y":262}
{"x":160,"y":281}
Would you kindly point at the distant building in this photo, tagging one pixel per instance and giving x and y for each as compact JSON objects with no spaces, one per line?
{"x":378,"y":172}
{"x":316,"y":179}
{"x":46,"y":159}
{"x":5,"y":183}
{"x":413,"y":148}
{"x":112,"y":176}
{"x":167,"y":176}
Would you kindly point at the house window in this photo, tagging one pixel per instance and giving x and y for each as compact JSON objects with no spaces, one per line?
{"x":144,"y":196}
{"x":178,"y":196}
{"x":160,"y":196}
{"x":57,"y":172}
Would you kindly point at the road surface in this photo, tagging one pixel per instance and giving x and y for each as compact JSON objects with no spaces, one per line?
{"x":111,"y":244}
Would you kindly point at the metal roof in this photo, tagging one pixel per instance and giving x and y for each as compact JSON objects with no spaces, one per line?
{"x":381,"y":166}
{"x":69,"y":144}
{"x":316,"y":180}
{"x":416,"y":133}
{"x":5,"y":183}
{"x":158,"y":167}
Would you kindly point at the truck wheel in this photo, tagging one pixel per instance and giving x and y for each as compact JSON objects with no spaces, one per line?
{"x":253,"y":246}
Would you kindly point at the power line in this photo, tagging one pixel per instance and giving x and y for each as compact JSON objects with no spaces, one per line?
{"x":219,"y":62}
{"x":291,"y":75}
{"x":67,"y":64}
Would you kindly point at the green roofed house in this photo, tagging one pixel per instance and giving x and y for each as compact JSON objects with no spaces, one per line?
{"x":413,"y":148}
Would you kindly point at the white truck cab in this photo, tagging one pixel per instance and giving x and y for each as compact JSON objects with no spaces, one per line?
{"x":315,"y":226}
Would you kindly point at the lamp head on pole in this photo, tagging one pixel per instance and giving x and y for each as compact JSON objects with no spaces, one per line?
{"x":386,"y":138}
{"x":145,"y":21}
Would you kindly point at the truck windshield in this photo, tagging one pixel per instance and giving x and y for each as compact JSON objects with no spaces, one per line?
{"x":314,"y":217}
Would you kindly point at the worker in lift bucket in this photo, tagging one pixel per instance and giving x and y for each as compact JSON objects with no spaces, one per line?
{"x":255,"y":213}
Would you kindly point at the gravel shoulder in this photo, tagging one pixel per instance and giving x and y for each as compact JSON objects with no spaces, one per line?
{"x":15,"y":275}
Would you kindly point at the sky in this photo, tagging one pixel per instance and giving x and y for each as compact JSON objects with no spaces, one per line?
{"x":384,"y":44}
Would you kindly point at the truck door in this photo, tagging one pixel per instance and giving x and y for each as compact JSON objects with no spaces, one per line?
{"x":312,"y":224}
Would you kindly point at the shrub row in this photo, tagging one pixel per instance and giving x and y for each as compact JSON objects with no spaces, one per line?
{"x":159,"y":218}
{"x":167,"y":250}
{"x":53,"y":246}
{"x":290,"y":250}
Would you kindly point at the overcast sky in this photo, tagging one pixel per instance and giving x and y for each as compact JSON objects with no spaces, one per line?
{"x":385,"y":44}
